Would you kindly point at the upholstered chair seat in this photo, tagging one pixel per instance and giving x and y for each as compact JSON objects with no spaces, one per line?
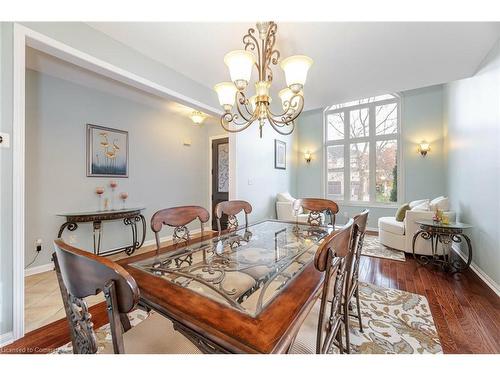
{"x":155,"y":335}
{"x":305,"y":341}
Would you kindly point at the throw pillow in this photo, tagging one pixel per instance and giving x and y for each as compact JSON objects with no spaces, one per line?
{"x":422,"y":207}
{"x":417,"y":202}
{"x":400,"y":215}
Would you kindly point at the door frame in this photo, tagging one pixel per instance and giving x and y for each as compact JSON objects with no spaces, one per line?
{"x":210,"y":166}
{"x":25,"y":37}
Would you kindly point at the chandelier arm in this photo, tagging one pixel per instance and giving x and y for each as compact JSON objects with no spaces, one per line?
{"x":269,"y":52}
{"x":277,"y":127}
{"x":291,"y":112}
{"x":243,"y":101}
{"x":251,"y":43}
{"x":228,"y":117}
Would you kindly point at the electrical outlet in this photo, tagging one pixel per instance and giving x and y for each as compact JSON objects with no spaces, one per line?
{"x":4,"y":140}
{"x":72,"y":239}
{"x":38,"y":245}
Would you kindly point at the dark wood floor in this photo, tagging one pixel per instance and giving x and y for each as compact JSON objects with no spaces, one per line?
{"x":466,"y":312}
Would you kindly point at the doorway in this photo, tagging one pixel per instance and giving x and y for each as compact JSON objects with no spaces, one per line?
{"x":219,"y":177}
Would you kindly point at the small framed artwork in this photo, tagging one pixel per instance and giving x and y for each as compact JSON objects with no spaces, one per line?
{"x":107,"y":152}
{"x":279,"y":154}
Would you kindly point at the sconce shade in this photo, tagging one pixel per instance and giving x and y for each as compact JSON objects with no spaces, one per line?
{"x":424,"y":147}
{"x":226,"y":91}
{"x":307,"y":156}
{"x":296,"y":68}
{"x":240,"y":63}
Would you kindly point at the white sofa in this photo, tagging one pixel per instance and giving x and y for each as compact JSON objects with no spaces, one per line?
{"x":399,"y":234}
{"x":284,"y":209}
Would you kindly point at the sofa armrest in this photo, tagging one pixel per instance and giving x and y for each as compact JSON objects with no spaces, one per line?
{"x":284,"y":211}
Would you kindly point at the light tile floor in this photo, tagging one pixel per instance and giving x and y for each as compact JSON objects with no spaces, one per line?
{"x":42,"y":297}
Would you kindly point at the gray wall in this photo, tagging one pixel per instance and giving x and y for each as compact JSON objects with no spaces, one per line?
{"x":472,"y":114}
{"x":162,"y":171}
{"x":257,"y":181}
{"x":424,"y":177}
{"x":6,"y":180}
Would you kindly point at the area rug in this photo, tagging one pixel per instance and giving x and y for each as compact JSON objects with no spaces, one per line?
{"x":373,"y":248}
{"x":394,"y":322}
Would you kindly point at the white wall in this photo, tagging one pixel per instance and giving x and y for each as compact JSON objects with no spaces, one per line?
{"x":257,"y":180}
{"x":423,"y":177}
{"x":472,"y":114}
{"x":162,"y":171}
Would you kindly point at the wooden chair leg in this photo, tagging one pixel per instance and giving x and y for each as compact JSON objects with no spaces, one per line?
{"x":359,"y":308}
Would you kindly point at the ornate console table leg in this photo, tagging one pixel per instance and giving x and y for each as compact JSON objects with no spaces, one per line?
{"x":457,"y":265}
{"x":97,"y":231}
{"x":70,"y":225}
{"x":422,"y":259}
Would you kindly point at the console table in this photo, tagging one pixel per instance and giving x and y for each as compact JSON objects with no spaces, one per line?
{"x":130,"y":217}
{"x":446,"y":234}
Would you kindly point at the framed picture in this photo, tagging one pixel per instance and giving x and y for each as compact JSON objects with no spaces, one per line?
{"x":279,"y":154}
{"x":107,"y":152}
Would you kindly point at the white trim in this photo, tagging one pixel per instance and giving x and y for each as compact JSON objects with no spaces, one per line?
{"x":6,"y":339}
{"x":18,"y":182}
{"x":23,"y":37}
{"x":38,"y":269}
{"x":210,"y":139}
{"x":480,"y":273}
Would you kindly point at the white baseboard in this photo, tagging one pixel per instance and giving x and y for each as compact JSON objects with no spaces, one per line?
{"x":6,"y":338}
{"x":38,"y":269}
{"x":480,"y":273}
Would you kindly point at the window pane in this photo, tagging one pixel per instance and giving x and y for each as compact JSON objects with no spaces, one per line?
{"x":335,"y":128}
{"x":359,"y":155}
{"x":335,"y":156}
{"x":335,"y":187}
{"x":386,"y":171}
{"x":387,"y":119}
{"x":359,"y":120}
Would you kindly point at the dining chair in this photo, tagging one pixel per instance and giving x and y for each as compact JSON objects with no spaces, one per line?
{"x":352,"y":280}
{"x":82,"y":274}
{"x":324,"y":326}
{"x":178,"y":217}
{"x":231,"y":209}
{"x":316,"y":206}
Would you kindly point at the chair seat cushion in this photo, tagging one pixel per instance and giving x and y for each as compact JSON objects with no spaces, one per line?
{"x":155,"y":335}
{"x":391,"y":225}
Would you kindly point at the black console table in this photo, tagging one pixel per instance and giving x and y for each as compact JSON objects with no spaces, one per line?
{"x":130,"y":217}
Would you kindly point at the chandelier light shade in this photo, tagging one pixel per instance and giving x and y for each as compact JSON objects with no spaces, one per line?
{"x":259,"y":52}
{"x":240,"y":65}
{"x":296,"y":68}
{"x":227,"y":94}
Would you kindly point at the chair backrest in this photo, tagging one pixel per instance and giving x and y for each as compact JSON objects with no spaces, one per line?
{"x":178,"y":217}
{"x":231,"y":209}
{"x":360,"y":220}
{"x":334,"y":258}
{"x":316,"y":206}
{"x":81,"y":274}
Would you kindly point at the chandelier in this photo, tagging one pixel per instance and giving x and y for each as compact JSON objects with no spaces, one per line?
{"x":257,"y":107}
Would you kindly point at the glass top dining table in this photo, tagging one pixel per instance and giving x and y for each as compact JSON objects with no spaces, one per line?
{"x":245,"y":269}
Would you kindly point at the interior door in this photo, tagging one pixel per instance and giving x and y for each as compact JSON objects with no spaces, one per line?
{"x":220,"y":177}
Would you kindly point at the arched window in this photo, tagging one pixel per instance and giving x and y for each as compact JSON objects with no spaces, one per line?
{"x":362,"y":150}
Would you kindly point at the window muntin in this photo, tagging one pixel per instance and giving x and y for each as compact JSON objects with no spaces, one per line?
{"x":367,"y":133}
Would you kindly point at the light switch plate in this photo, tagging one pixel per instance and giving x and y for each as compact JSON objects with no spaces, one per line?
{"x":187,"y":142}
{"x":5,"y":140}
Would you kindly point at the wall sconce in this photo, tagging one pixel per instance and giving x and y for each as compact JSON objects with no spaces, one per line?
{"x":424,"y":147}
{"x":307,"y":157}
{"x":197,"y":117}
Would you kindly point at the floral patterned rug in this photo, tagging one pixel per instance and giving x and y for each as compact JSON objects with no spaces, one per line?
{"x":373,"y":248}
{"x":394,"y":322}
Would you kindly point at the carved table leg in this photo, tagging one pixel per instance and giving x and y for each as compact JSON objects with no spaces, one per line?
{"x":70,"y":225}
{"x":459,"y":266}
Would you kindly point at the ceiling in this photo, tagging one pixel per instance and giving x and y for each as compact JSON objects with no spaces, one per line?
{"x":351,"y":60}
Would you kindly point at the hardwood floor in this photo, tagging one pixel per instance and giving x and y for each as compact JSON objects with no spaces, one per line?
{"x":466,"y":312}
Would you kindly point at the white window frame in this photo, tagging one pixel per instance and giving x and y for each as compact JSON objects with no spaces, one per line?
{"x":372,"y":139}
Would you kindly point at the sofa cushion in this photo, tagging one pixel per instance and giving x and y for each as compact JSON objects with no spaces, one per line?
{"x":400,"y":215}
{"x":417,"y":202}
{"x":284,"y":197}
{"x":389,"y":224}
{"x":441,"y":203}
